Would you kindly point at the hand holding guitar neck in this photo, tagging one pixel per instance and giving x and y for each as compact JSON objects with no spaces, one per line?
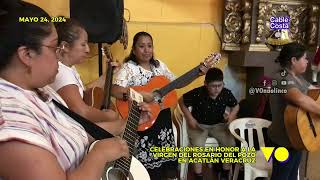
{"x":109,"y":59}
{"x":127,"y":167}
{"x":108,"y":80}
{"x":145,"y":112}
{"x":147,"y":96}
{"x":96,"y":96}
{"x":143,"y":107}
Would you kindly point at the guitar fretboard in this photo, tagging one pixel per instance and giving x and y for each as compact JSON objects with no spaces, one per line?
{"x":108,"y":80}
{"x":130,"y":136}
{"x":188,"y":76}
{"x":107,"y":87}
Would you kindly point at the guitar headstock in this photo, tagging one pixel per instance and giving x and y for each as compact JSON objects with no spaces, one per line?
{"x":212,"y":59}
{"x":135,"y":96}
{"x":107,"y":53}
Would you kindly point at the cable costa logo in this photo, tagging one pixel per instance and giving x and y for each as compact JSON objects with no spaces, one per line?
{"x":278,"y":23}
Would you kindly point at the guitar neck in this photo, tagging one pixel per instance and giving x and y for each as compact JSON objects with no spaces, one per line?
{"x":130,"y":136}
{"x":186,"y":77}
{"x":107,"y":87}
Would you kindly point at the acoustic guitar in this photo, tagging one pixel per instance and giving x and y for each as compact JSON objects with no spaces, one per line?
{"x":162,"y":89}
{"x":303,"y":128}
{"x":97,"y":97}
{"x":128,"y":168}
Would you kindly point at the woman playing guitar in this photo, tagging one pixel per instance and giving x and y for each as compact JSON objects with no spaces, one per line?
{"x":139,"y":67}
{"x":74,"y":40}
{"x":37,"y":140}
{"x":293,"y":64}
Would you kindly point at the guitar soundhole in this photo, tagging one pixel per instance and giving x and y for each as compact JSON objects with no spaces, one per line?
{"x":117,"y":174}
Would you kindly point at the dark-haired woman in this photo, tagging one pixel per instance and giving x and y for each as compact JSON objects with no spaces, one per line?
{"x":139,"y":67}
{"x":37,"y":140}
{"x":293,"y":62}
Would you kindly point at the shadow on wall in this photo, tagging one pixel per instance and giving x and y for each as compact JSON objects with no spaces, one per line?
{"x":234,"y":79}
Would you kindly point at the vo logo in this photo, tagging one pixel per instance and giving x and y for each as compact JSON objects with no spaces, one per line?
{"x":281,"y":153}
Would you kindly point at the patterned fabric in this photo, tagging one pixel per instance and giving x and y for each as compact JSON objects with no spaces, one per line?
{"x":27,"y":117}
{"x":66,"y":76}
{"x":161,"y":133}
{"x":131,"y":74}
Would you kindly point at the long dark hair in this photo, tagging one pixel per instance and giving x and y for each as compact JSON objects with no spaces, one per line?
{"x":14,"y":34}
{"x":289,"y":51}
{"x":135,"y":40}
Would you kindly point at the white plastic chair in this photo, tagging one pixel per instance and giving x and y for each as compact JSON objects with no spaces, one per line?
{"x":261,"y":168}
{"x":182,"y":138}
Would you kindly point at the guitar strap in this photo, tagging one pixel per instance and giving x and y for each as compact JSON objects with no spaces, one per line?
{"x":94,"y":130}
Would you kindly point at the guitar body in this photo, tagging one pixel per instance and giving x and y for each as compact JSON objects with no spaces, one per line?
{"x":169,"y":100}
{"x":137,"y":172}
{"x":128,"y":168}
{"x":303,"y":128}
{"x":94,"y":97}
{"x":97,"y":97}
